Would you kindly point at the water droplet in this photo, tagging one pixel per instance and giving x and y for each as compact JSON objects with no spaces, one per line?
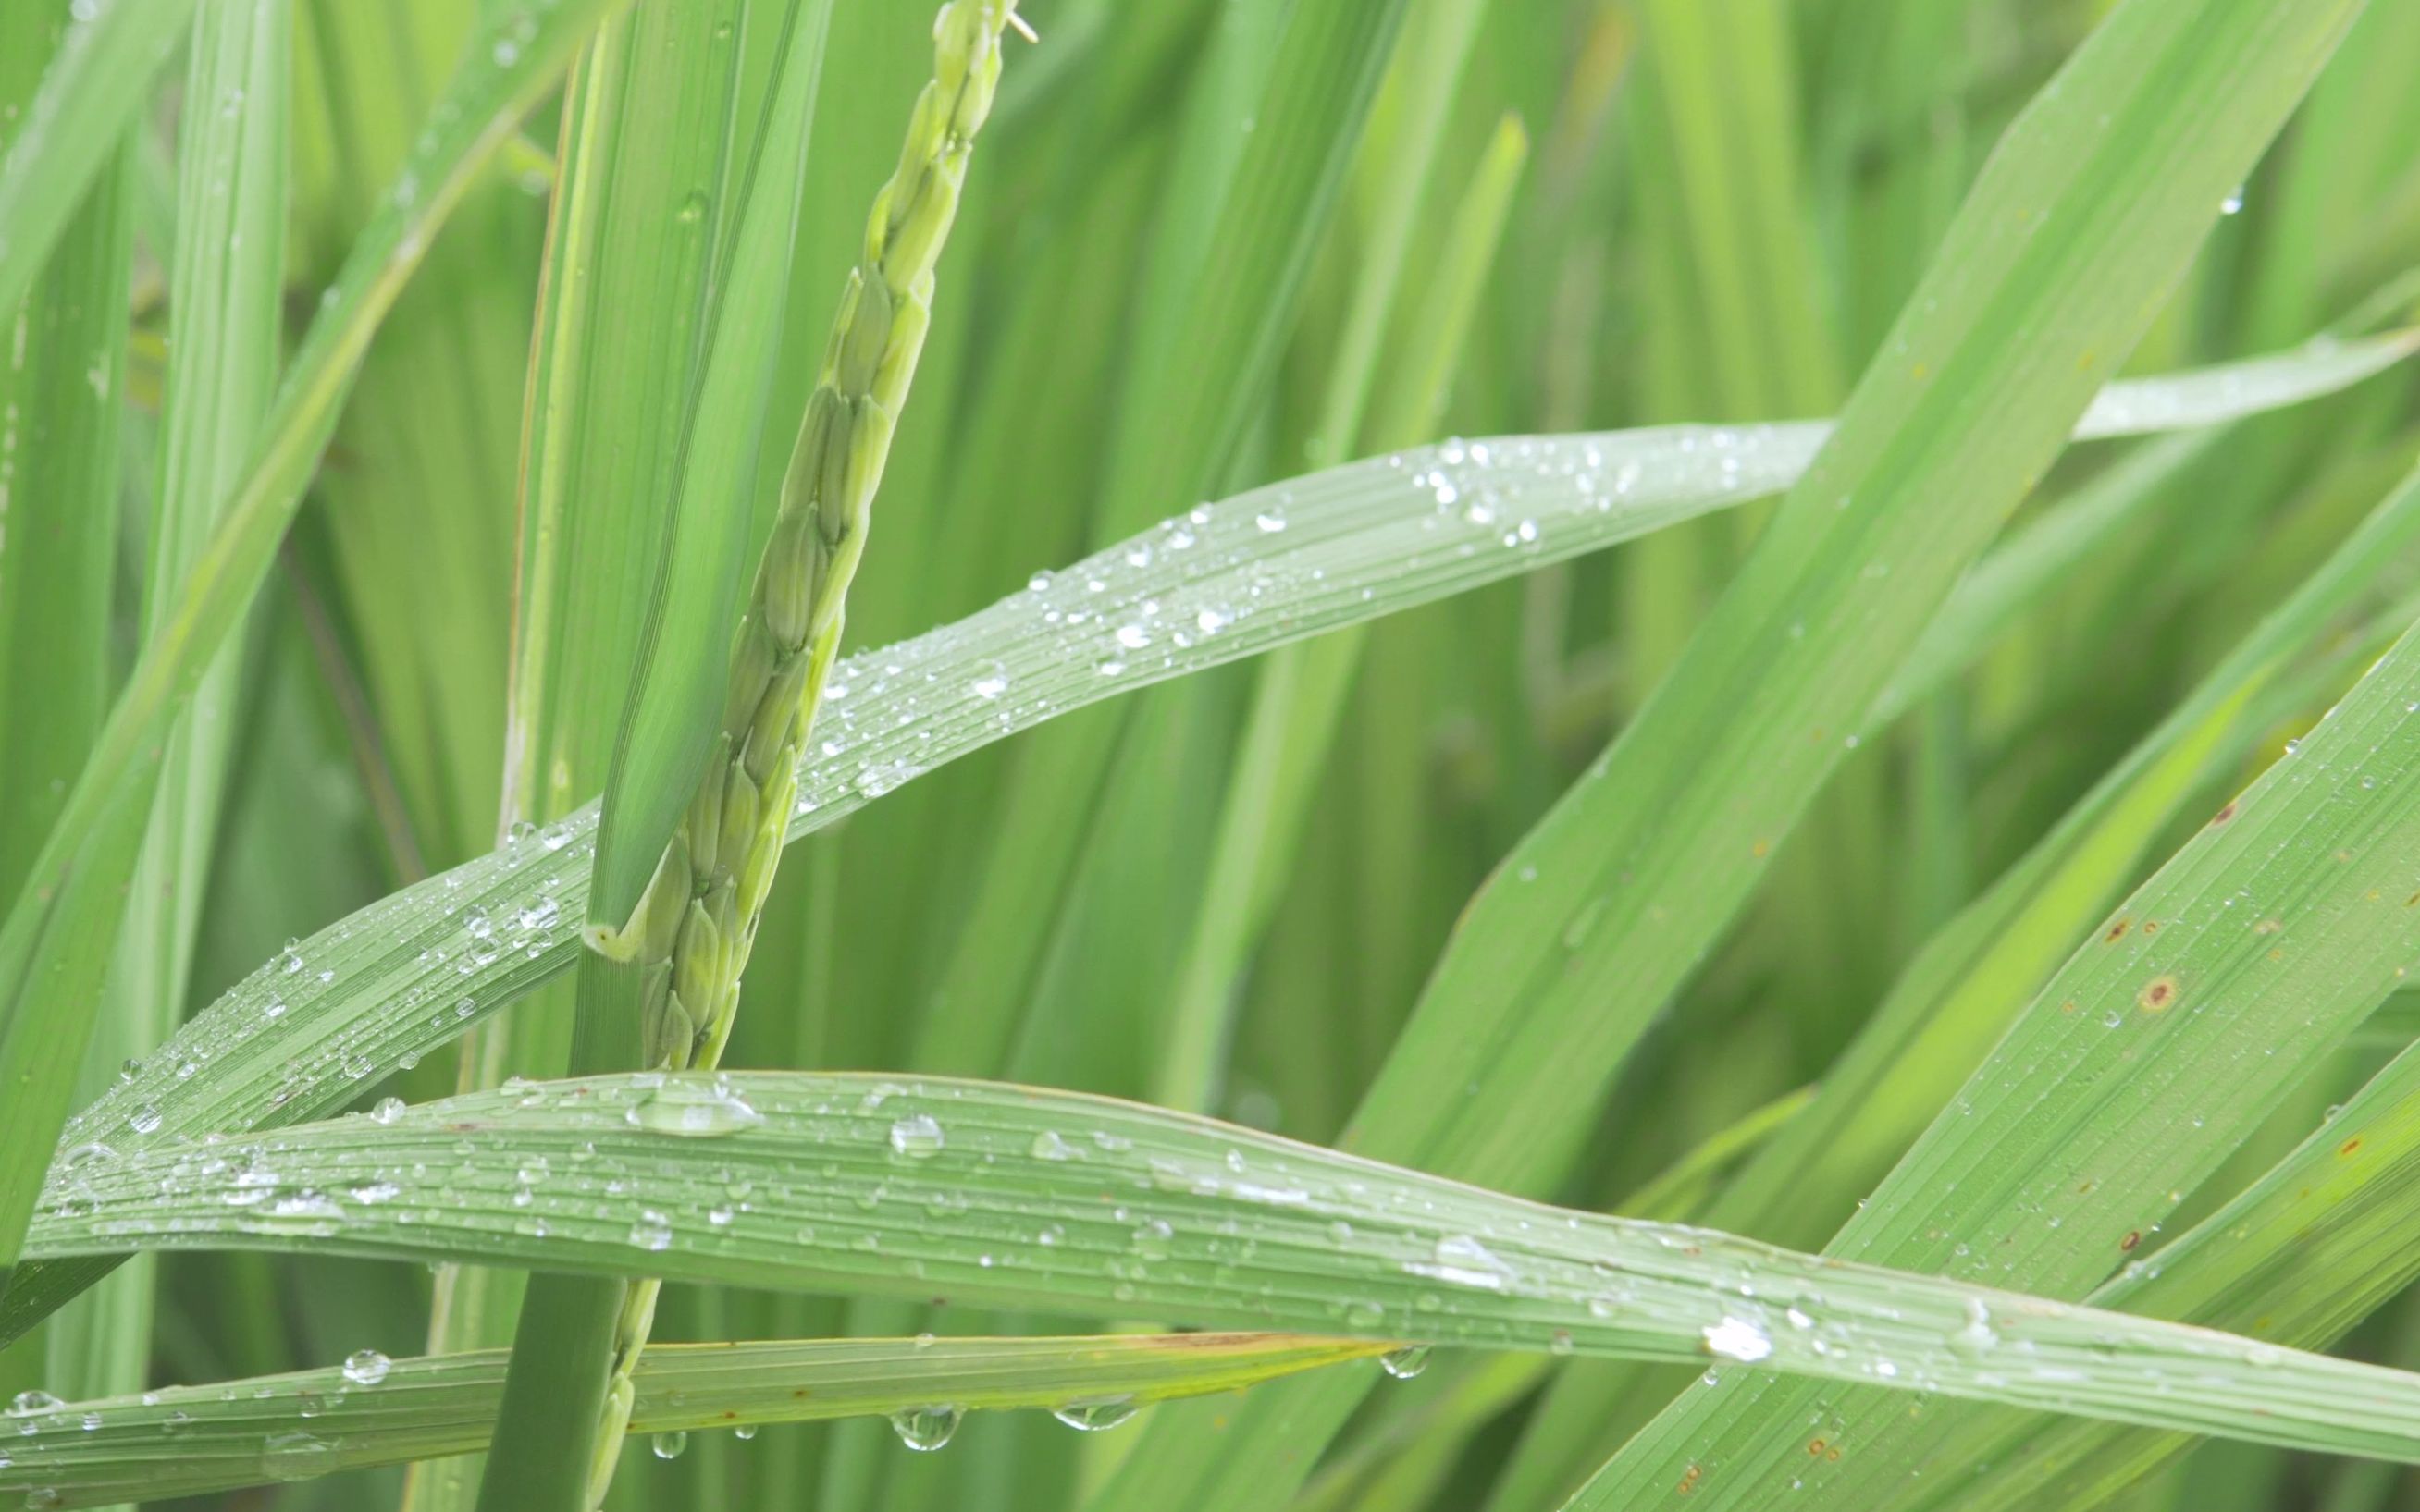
{"x":653,"y":1231}
{"x":1048,"y":1146}
{"x":1977,"y":1337}
{"x":26,"y":1403}
{"x":1151,"y":1240}
{"x":1738,"y":1338}
{"x":669,"y":1445}
{"x":367,"y":1367}
{"x":1038,"y":583}
{"x":744,"y":1432}
{"x":1095,"y":1414}
{"x":697,"y":1110}
{"x":145,"y":1120}
{"x":386,"y":1110}
{"x":1271,"y":519}
{"x":294,"y":1457}
{"x":926,"y":1428}
{"x":1405,"y":1363}
{"x":918,"y":1136}
{"x":2233,"y":202}
{"x":993,"y":682}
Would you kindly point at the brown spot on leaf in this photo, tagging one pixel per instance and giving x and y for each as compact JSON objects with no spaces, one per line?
{"x":2117,"y":930}
{"x":2158,"y":994}
{"x":2350,"y":1146}
{"x":2133,"y":1237}
{"x":2224,"y":814}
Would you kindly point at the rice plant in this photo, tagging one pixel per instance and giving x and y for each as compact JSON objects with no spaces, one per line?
{"x":779,"y":754}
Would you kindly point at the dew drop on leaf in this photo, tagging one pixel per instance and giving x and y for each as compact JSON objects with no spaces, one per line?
{"x":924,"y":1429}
{"x":1738,"y":1338}
{"x":1405,"y":1363}
{"x":918,"y":1136}
{"x":653,"y":1231}
{"x":693,"y":1110}
{"x":1095,"y":1414}
{"x":294,"y":1456}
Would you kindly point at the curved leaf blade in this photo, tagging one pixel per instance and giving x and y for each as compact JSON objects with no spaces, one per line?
{"x":1017,"y":1197}
{"x":190,"y":1441}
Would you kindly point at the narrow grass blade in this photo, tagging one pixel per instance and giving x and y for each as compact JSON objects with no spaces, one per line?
{"x":1300,"y":694}
{"x":60,"y":400}
{"x":426,"y":438}
{"x":55,"y":942}
{"x":223,"y":340}
{"x":1006,"y":1196}
{"x":649,"y":117}
{"x":675,"y":707}
{"x":190,"y":1441}
{"x":1241,"y":217}
{"x":71,"y":128}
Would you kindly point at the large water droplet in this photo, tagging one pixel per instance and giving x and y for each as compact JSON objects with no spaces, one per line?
{"x":1405,"y":1363}
{"x":386,"y":1110}
{"x":697,"y":1110}
{"x":1977,"y":1337}
{"x":26,"y":1403}
{"x":669,"y":1445}
{"x":367,"y":1367}
{"x":145,"y":1120}
{"x":918,"y":1136}
{"x":1738,"y":1338}
{"x":926,"y":1428}
{"x":294,"y":1457}
{"x":1048,"y":1146}
{"x":1094,"y":1415}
